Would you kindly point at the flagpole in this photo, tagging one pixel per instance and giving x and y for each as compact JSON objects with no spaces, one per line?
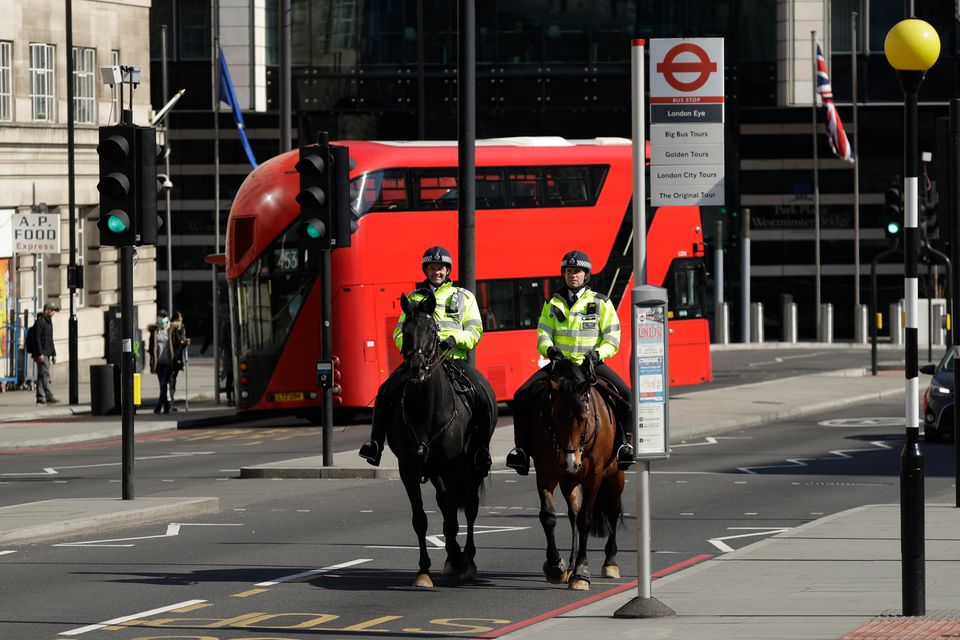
{"x":816,"y":182}
{"x":856,"y":181}
{"x":215,"y":77}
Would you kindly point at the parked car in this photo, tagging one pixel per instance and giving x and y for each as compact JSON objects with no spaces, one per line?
{"x":938,"y":400}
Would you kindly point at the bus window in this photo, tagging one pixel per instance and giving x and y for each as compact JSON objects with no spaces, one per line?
{"x":435,"y":188}
{"x":513,"y":304}
{"x":524,"y":186}
{"x":686,"y":289}
{"x":379,"y":191}
{"x":569,"y":187}
{"x":490,"y":189}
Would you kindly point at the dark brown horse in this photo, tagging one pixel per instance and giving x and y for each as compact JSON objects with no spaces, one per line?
{"x":435,"y":436}
{"x":572,"y":437}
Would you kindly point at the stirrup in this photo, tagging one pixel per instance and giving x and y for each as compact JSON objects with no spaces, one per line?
{"x":370,"y":451}
{"x":625,"y":457}
{"x":519,"y":461}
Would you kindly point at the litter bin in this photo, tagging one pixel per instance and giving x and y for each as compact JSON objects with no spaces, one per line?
{"x":103,"y":398}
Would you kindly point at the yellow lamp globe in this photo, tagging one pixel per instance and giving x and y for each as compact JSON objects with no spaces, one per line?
{"x":912,"y":45}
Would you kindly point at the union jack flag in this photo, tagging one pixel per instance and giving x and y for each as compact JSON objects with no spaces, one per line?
{"x":835,"y":133}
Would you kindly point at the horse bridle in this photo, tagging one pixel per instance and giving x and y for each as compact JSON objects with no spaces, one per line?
{"x":551,"y":429}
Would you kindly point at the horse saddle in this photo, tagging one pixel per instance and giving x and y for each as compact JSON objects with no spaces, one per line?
{"x":611,"y":395}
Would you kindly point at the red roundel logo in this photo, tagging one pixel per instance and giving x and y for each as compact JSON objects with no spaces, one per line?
{"x":703,"y":66}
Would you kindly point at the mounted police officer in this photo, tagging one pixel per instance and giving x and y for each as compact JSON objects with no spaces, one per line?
{"x":579,"y":324}
{"x":459,"y":328}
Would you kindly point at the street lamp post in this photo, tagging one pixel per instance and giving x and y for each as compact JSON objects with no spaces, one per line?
{"x":912,"y":46}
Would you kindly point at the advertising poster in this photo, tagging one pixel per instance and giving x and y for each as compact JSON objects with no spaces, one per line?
{"x":651,"y":390}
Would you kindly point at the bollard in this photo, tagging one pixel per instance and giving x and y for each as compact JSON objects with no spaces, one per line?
{"x":825,"y":330}
{"x":861,"y":334}
{"x":939,"y":324}
{"x":721,"y":324}
{"x":756,"y":322}
{"x":790,"y":322}
{"x":896,"y":323}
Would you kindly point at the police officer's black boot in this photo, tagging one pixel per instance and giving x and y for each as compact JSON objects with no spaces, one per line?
{"x":519,"y":461}
{"x":372,"y":449}
{"x":625,"y":455}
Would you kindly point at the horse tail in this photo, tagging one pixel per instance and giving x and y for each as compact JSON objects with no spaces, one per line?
{"x":607,"y":511}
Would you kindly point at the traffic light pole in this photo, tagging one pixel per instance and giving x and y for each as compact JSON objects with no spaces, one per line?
{"x":873,"y":302}
{"x":126,"y":367}
{"x":326,"y":355}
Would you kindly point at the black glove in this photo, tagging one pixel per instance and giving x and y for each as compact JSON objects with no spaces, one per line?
{"x":553,"y":353}
{"x":449,"y":342}
{"x":593,"y":357}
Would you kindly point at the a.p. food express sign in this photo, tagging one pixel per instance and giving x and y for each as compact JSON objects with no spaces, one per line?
{"x":36,"y":233}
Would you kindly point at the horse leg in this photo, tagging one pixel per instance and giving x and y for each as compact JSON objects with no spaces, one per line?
{"x":412,"y":484}
{"x":553,"y":567}
{"x":580,"y":522}
{"x":470,"y":511}
{"x":611,"y":493}
{"x":455,"y":563}
{"x":573,"y":496}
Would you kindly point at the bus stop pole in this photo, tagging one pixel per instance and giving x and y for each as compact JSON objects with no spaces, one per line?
{"x":644,"y":605}
{"x":326,"y":355}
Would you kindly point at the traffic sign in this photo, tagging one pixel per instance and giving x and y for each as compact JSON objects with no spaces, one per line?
{"x":686,"y":71}
{"x":675,"y":175}
{"x":685,"y":155}
{"x":673,"y":134}
{"x":687,"y":195}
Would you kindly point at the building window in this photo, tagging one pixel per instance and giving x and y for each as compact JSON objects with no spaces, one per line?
{"x":41,"y":81}
{"x":84,"y":87}
{"x":81,"y":254}
{"x":6,"y":80}
{"x":194,"y":38}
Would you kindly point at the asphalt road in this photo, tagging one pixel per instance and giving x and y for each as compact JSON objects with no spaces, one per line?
{"x":290,"y":559}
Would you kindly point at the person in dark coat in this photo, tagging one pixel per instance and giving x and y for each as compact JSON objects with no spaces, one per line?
{"x":45,"y":353}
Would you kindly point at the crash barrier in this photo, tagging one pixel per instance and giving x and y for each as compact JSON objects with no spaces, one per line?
{"x":756,"y":322}
{"x":721,"y":324}
{"x":15,"y":369}
{"x":825,"y":330}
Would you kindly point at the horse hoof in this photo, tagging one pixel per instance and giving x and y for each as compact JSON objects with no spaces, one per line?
{"x":611,"y":571}
{"x":579,"y":585}
{"x":448,"y":569}
{"x":470,"y":573}
{"x":556,"y":573}
{"x":423,"y":580}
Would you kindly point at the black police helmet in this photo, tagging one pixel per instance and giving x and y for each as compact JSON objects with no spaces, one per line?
{"x":576,"y":259}
{"x":436,"y":254}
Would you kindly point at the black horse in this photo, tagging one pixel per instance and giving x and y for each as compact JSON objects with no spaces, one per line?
{"x":435,"y":436}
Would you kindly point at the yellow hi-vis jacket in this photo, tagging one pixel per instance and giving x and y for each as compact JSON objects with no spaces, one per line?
{"x":591,"y":324}
{"x":457,"y":315}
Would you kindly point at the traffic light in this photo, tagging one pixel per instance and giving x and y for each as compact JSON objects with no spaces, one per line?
{"x":928,"y":219}
{"x":314,"y":196}
{"x":147,"y":221}
{"x":117,"y":186}
{"x":336,"y":389}
{"x":894,"y":211}
{"x":343,"y":222}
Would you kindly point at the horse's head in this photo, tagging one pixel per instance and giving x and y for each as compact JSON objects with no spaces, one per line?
{"x":570,"y":412}
{"x":421,"y":347}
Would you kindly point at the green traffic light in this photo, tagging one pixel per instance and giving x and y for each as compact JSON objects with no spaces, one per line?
{"x":893,"y":228}
{"x":116,"y":224}
{"x":313,"y":232}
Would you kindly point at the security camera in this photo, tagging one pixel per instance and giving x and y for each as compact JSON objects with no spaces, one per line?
{"x":164,"y":182}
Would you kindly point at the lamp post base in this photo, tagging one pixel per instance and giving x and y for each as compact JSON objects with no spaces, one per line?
{"x":644,"y":608}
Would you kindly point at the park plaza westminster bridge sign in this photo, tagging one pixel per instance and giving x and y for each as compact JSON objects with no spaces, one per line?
{"x":686,"y":121}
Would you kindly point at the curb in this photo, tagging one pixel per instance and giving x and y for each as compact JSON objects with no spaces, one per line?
{"x":107,"y":515}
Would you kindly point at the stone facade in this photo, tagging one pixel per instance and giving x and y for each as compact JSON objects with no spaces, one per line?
{"x":33,"y":157}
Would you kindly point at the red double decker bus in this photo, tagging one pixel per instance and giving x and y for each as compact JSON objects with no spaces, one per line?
{"x":537,"y":198}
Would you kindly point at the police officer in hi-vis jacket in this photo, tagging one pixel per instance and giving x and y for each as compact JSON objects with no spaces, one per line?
{"x":576,"y":323}
{"x":459,"y":328}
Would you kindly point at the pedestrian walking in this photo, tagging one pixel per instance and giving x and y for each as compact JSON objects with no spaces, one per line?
{"x":41,"y":348}
{"x":161,"y":360}
{"x":178,"y":344}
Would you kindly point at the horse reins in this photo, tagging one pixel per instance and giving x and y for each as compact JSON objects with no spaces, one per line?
{"x":548,"y":423}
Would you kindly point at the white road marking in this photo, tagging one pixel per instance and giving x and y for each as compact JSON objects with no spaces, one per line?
{"x":135,"y":616}
{"x":6,"y":553}
{"x":755,"y":531}
{"x":437,"y":540}
{"x":52,"y":471}
{"x":312,"y":572}
{"x":782,"y":359}
{"x":802,"y":462}
{"x":863,"y":422}
{"x":173,"y":529}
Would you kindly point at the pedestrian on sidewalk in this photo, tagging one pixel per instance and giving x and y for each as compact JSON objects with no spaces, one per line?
{"x":178,"y":344}
{"x":43,"y":351}
{"x":161,"y":359}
